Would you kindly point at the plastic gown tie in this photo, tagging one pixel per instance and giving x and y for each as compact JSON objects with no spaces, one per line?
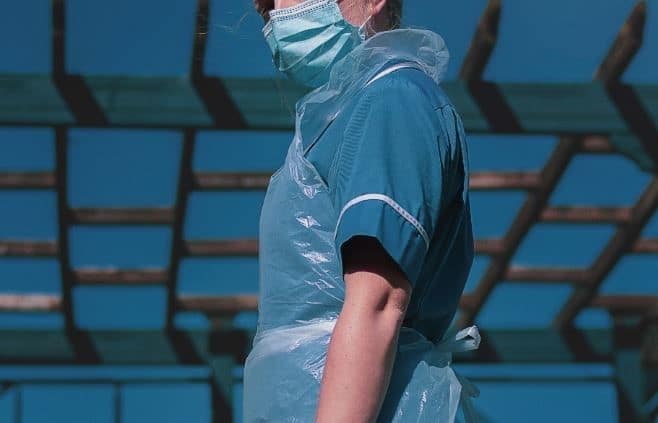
{"x":467,"y":339}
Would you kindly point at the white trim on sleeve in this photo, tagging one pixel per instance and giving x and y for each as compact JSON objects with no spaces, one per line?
{"x":388,"y":200}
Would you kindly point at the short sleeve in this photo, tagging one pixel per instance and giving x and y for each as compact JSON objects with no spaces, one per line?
{"x":388,"y":175}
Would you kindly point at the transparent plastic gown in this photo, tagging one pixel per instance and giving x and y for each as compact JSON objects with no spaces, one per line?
{"x":301,"y":284}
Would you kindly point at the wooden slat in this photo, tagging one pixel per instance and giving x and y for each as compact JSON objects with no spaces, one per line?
{"x":596,"y":145}
{"x":489,"y":246}
{"x":504,"y":180}
{"x":238,"y":247}
{"x":72,"y":88}
{"x":526,"y":217}
{"x":228,"y":181}
{"x":646,"y":246}
{"x":629,"y":105}
{"x":83,"y":347}
{"x":218,"y":305}
{"x":548,"y":275}
{"x":625,"y":46}
{"x":30,"y":303}
{"x":120,"y":276}
{"x":623,"y":241}
{"x":27,"y":180}
{"x":630,"y":304}
{"x":482,"y":44}
{"x":122,"y":216}
{"x":11,"y":248}
{"x":586,"y":215}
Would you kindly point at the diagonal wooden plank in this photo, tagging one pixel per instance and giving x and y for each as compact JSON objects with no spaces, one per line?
{"x":212,"y":90}
{"x":182,"y":344}
{"x":72,"y":88}
{"x":491,"y":102}
{"x":622,"y":242}
{"x":80,"y":341}
{"x":526,"y":217}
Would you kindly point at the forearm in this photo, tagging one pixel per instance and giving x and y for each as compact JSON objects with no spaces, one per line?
{"x":359,"y":362}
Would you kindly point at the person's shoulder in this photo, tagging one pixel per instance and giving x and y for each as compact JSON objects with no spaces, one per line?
{"x":409,"y":85}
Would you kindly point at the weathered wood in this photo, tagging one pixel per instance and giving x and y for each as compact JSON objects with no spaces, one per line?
{"x":238,"y":247}
{"x":646,"y":246}
{"x":482,"y":44}
{"x":27,"y":180}
{"x":11,"y":248}
{"x":625,"y":46}
{"x":623,"y":241}
{"x":504,"y":180}
{"x":218,"y":305}
{"x":546,"y":275}
{"x":618,"y":215}
{"x":122,"y":216}
{"x":30,"y":303}
{"x":231,"y":181}
{"x":92,"y":276}
{"x":526,"y":217}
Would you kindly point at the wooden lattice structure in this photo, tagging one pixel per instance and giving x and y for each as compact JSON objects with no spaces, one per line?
{"x":585,"y":116}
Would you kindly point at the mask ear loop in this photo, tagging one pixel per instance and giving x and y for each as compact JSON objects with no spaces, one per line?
{"x":364,"y":30}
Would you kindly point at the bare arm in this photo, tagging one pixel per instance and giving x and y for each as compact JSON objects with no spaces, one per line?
{"x":364,"y":341}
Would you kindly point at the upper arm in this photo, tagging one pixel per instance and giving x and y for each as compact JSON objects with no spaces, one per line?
{"x":389,"y":175}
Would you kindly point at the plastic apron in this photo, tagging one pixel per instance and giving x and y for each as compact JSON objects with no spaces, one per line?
{"x":283,"y":371}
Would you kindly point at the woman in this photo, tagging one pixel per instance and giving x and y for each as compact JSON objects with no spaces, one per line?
{"x":365,"y":232}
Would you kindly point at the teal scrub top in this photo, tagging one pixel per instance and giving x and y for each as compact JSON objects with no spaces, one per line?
{"x":395,"y":162}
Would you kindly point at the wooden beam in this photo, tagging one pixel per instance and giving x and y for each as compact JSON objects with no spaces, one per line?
{"x":622,"y":242}
{"x":212,"y":90}
{"x":646,"y":246}
{"x":618,"y":215}
{"x":231,"y":181}
{"x":482,"y":44}
{"x":218,"y":305}
{"x":630,"y":106}
{"x":547,"y":275}
{"x":626,"y":304}
{"x":73,"y":88}
{"x":489,"y":246}
{"x":214,"y":248}
{"x":93,"y":276}
{"x":625,"y":46}
{"x":27,"y":180}
{"x":83,"y":347}
{"x":526,"y":217}
{"x":40,"y":303}
{"x":487,"y":96}
{"x":596,"y":145}
{"x":504,"y":180}
{"x":182,"y":344}
{"x":123,"y":216}
{"x":11,"y":248}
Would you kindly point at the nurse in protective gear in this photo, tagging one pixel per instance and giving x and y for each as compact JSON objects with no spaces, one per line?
{"x":365,"y":232}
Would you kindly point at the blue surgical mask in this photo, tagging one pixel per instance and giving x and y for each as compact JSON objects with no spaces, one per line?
{"x":308,"y":39}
